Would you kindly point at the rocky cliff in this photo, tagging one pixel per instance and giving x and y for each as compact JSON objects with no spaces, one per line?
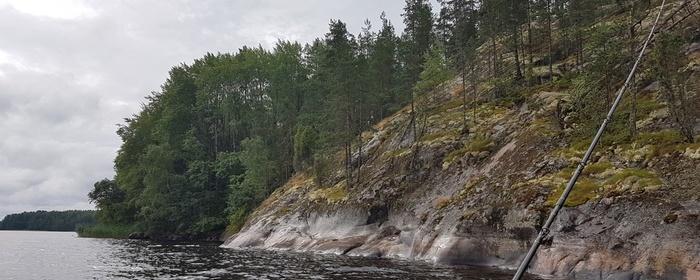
{"x":478,"y":195}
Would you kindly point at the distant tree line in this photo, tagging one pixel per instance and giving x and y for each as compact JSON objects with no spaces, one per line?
{"x":225,"y":131}
{"x":49,"y":220}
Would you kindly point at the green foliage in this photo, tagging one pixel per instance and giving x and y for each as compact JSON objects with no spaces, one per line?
{"x":417,"y":38}
{"x":323,"y":166}
{"x":236,"y":220}
{"x":435,"y":71}
{"x":228,"y":129}
{"x":458,"y":29}
{"x":106,"y":231}
{"x":506,"y":91}
{"x":107,"y":196}
{"x":48,"y":220}
{"x":679,"y":86}
{"x":250,"y":188}
{"x":384,"y":70}
{"x":304,"y":141}
{"x":595,"y":88}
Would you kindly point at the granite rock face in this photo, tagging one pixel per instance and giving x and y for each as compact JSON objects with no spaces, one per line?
{"x":478,"y":197}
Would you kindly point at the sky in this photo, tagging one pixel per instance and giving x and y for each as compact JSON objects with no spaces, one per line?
{"x":71,"y":70}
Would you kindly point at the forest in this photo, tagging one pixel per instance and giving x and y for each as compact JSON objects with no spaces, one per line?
{"x":225,"y":131}
{"x":68,"y":220}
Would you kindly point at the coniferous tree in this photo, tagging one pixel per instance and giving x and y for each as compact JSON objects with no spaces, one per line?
{"x":679,"y":88}
{"x":383,"y":68}
{"x":459,"y":21}
{"x":339,"y":64}
{"x":417,"y":38}
{"x":418,"y":35}
{"x":491,"y":27}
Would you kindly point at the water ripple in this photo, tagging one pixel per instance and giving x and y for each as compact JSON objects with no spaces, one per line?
{"x":47,"y":255}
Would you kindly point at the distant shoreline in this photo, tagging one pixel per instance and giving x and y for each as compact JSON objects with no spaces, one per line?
{"x":40,"y":230}
{"x":69,"y":220}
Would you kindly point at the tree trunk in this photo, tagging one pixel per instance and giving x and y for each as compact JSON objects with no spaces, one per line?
{"x":529,"y":43}
{"x":516,"y":44}
{"x":413,"y":117}
{"x":687,"y":121}
{"x":348,"y":142}
{"x":633,"y":114}
{"x":348,"y":171}
{"x":464,"y":98}
{"x":359,"y":158}
{"x":633,"y":109}
{"x":549,"y":40}
{"x":474,"y":91}
{"x":493,"y":56}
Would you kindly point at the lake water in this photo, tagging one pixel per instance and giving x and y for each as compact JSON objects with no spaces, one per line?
{"x":62,"y":255}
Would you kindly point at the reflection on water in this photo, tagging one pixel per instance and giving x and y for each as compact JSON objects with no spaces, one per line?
{"x":47,"y":255}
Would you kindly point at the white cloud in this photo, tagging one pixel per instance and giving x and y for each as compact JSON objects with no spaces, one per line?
{"x":56,"y":9}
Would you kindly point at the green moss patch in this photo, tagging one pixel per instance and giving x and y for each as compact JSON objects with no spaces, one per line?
{"x":479,"y":143}
{"x":331,"y":195}
{"x":664,"y":137}
{"x":584,"y":190}
{"x":597,"y":180}
{"x":596,"y":168}
{"x":647,"y":104}
{"x":633,"y":177}
{"x":544,"y":127}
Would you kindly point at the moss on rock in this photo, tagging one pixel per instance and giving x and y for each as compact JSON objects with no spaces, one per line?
{"x":330,"y":195}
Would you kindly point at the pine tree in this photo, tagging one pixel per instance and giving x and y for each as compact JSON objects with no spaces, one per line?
{"x":339,"y":56}
{"x":383,"y":68}
{"x":417,"y":38}
{"x":459,"y":23}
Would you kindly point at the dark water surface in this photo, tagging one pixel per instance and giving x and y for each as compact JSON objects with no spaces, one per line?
{"x":62,"y":255}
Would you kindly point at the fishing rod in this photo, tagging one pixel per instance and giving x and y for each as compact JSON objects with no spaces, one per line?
{"x":570,"y":186}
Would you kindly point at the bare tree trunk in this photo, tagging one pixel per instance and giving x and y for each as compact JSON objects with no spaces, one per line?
{"x":516,"y":44}
{"x":579,"y":48}
{"x":678,"y":113}
{"x":633,"y":88}
{"x":348,"y":143}
{"x":474,"y":92}
{"x":359,"y":158}
{"x":413,"y":117}
{"x":493,"y":56}
{"x":529,"y":42}
{"x":549,"y":39}
{"x":687,"y":121}
{"x":464,"y":99}
{"x":348,"y":171}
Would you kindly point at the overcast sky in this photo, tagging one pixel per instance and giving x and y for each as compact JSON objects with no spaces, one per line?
{"x":70,"y":70}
